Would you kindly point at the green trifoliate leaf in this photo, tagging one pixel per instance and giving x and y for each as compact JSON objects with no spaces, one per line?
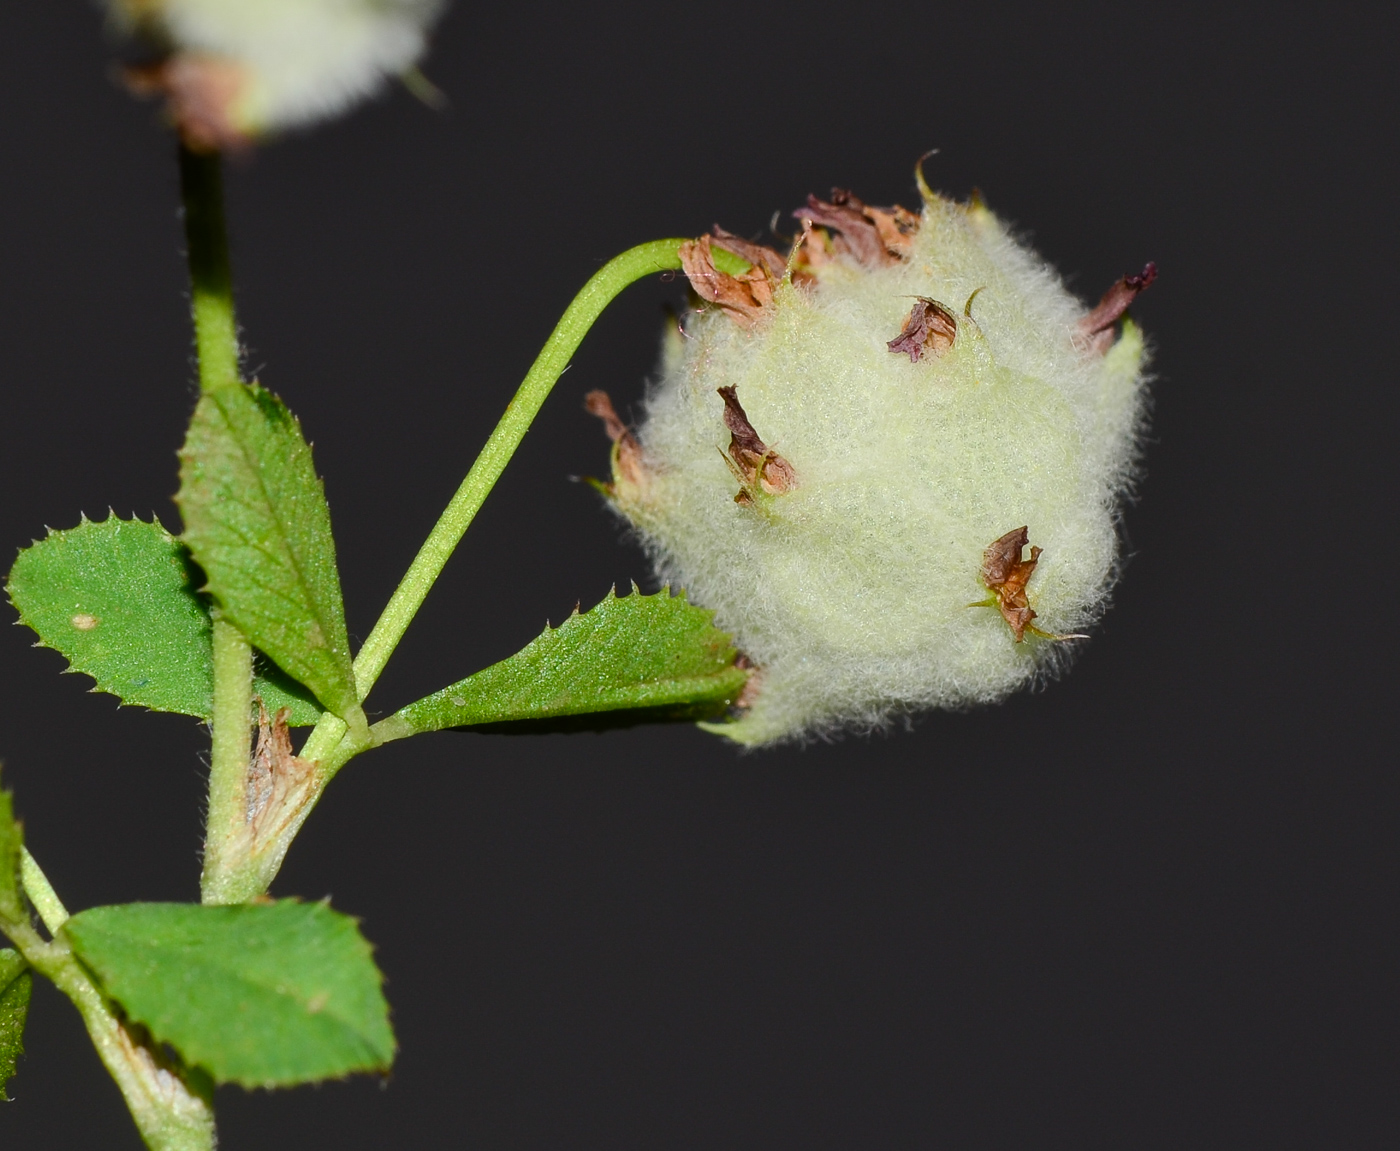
{"x":118,"y":600}
{"x":11,"y":840}
{"x":257,"y":522}
{"x":654,"y":657}
{"x":260,"y":994}
{"x":16,"y":982}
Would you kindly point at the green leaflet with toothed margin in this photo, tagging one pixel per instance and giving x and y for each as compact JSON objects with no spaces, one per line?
{"x":117,"y":599}
{"x":259,"y":994}
{"x":652,"y":653}
{"x":11,"y":841}
{"x":15,"y":979}
{"x":16,"y":982}
{"x":257,"y":522}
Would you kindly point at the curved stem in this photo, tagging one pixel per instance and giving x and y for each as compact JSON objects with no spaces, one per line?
{"x":616,"y":274}
{"x":329,"y":746}
{"x":635,"y":263}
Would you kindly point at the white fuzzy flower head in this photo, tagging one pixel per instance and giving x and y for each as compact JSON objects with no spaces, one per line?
{"x":235,"y":70}
{"x":890,"y":463}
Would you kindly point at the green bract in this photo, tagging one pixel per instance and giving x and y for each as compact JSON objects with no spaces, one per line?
{"x":264,"y":995}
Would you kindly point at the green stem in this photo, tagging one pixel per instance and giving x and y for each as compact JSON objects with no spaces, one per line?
{"x":170,"y":1114}
{"x":41,"y":893}
{"x":216,"y":345}
{"x":616,"y":274}
{"x":211,"y":282}
{"x":327,"y":745}
{"x":229,"y":753}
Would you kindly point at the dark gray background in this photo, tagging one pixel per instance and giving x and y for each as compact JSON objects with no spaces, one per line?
{"x":1151,"y":906}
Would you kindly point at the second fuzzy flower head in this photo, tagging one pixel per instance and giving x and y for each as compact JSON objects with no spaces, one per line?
{"x":890,"y":460}
{"x":235,"y":70}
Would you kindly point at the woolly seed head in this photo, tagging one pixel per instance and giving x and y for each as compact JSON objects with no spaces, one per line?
{"x":889,"y":462}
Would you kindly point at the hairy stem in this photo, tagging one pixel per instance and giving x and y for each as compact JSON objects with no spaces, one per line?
{"x":170,"y":1113}
{"x":211,"y":282}
{"x":216,"y":347}
{"x":230,"y":749}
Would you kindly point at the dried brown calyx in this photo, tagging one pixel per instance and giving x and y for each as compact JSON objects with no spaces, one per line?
{"x":876,"y":237}
{"x":1006,"y":574}
{"x":628,"y":461}
{"x":746,"y":297}
{"x":769,"y":258}
{"x":1097,"y":327}
{"x":929,"y":327}
{"x":757,"y":467}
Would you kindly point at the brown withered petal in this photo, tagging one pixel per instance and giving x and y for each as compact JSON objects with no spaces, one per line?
{"x":748,"y":250}
{"x":630,"y":462}
{"x":813,"y":250}
{"x":1006,"y":574}
{"x":928,"y":327}
{"x":744,"y":298}
{"x":874,"y":236}
{"x":1097,"y":325}
{"x":897,"y":228}
{"x":855,"y":233}
{"x":756,"y":461}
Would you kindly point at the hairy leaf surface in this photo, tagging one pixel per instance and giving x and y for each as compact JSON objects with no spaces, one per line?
{"x":260,"y":994}
{"x":117,"y":599}
{"x":16,"y":982}
{"x":655,"y":654}
{"x":257,"y":522}
{"x":11,"y":840}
